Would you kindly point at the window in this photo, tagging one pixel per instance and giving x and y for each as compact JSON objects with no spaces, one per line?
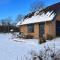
{"x":31,"y":28}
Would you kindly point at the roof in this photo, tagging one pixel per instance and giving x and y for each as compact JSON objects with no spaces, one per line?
{"x":46,"y":14}
{"x":18,"y":23}
{"x":53,"y":7}
{"x":39,"y":18}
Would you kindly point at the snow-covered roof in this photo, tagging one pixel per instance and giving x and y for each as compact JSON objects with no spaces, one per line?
{"x":39,"y":18}
{"x":18,"y":24}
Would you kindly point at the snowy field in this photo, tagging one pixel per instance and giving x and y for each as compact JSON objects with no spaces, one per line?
{"x":26,"y":49}
{"x":12,"y":50}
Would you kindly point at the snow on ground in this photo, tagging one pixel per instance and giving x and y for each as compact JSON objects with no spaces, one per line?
{"x":20,"y":49}
{"x":11,"y":50}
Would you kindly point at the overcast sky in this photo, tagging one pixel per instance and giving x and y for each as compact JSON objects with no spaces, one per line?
{"x":11,"y":8}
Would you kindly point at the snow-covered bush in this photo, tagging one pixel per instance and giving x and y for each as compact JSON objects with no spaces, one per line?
{"x":46,"y":54}
{"x":56,"y":56}
{"x":29,"y":37}
{"x":15,"y":35}
{"x":35,"y":55}
{"x":49,"y":37}
{"x":42,"y":40}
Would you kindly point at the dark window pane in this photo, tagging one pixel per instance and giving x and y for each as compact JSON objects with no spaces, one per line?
{"x":31,"y":28}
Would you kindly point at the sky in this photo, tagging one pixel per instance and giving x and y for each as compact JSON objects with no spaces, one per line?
{"x":12,"y":8}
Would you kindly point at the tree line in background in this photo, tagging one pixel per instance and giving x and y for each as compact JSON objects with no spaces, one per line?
{"x":6,"y":25}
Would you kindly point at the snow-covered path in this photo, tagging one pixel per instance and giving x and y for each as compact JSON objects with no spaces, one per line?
{"x":12,"y":50}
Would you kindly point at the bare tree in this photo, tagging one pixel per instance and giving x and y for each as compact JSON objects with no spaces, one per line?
{"x":36,"y":5}
{"x":19,"y":17}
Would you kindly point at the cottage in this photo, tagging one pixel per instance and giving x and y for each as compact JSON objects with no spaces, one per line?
{"x":42,"y":23}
